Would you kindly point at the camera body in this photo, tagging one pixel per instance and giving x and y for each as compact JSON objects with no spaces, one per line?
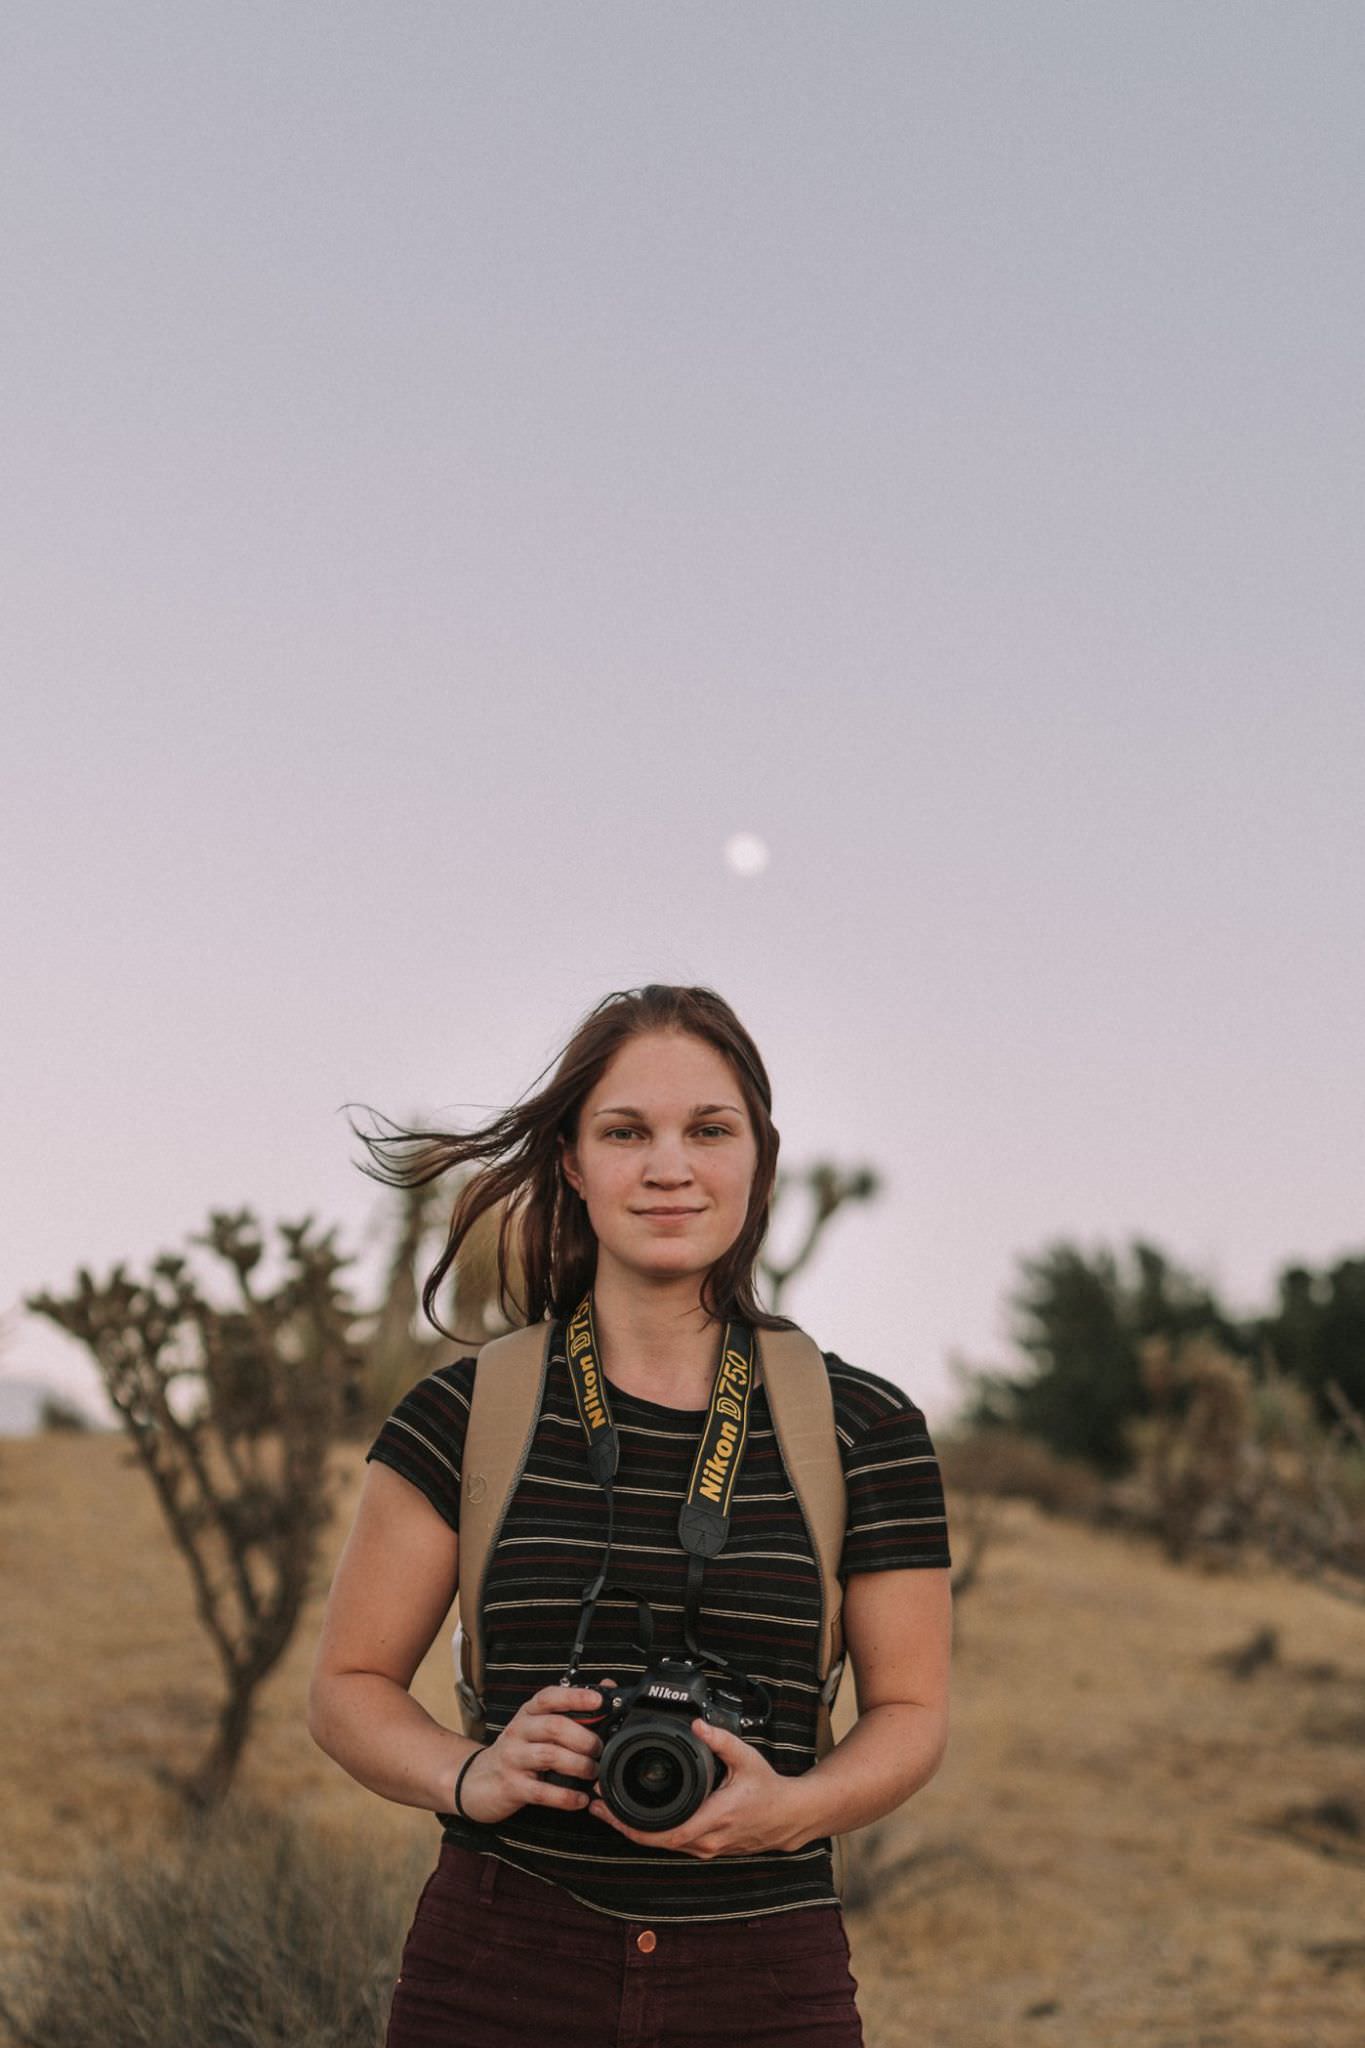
{"x":653,"y":1772}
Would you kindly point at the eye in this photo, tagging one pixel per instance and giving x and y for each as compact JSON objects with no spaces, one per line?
{"x":723,"y":1129}
{"x":619,"y":1131}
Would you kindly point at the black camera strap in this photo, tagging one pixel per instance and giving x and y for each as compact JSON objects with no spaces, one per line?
{"x":704,"y":1518}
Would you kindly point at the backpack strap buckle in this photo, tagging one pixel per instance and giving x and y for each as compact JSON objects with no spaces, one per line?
{"x":470,"y":1705}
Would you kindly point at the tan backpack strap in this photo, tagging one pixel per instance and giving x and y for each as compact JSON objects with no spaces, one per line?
{"x":801,"y":1403}
{"x":509,"y":1382}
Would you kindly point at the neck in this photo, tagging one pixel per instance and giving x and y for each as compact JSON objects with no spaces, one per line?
{"x":655,"y":1338}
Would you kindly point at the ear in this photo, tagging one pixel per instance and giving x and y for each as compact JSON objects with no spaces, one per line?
{"x":568,"y":1165}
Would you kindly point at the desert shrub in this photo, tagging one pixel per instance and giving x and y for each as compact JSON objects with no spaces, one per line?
{"x":1198,"y":1450}
{"x":249,"y":1931}
{"x":57,"y":1413}
{"x":870,"y":1866}
{"x":1234,"y":1453}
{"x":1007,"y":1465}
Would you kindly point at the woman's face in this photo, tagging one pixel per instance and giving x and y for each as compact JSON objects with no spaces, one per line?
{"x":664,"y":1130}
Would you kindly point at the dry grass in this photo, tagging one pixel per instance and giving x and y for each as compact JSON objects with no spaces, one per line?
{"x":1128,"y":1844}
{"x":243,"y":1931}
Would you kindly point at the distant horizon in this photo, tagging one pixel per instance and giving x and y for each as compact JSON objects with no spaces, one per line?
{"x":72,"y":1375}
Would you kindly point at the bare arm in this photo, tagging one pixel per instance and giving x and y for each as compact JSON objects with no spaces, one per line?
{"x":393,"y":1588}
{"x":898,"y":1630}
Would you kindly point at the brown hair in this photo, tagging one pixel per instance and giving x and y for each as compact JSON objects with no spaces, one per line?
{"x":520,"y":1151}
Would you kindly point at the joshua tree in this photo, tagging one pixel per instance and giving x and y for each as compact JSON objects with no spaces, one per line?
{"x":232,"y":1413}
{"x":828,"y":1187}
{"x":400,"y":1347}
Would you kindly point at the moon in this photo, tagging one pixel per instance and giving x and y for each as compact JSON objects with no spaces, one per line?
{"x":746,"y":853}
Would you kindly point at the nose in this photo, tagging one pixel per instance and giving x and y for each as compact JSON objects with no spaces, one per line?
{"x":666,"y":1164}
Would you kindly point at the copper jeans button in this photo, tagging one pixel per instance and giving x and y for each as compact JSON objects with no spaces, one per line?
{"x":647,"y":1942}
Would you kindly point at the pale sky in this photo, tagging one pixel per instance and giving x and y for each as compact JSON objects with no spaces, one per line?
{"x":464,"y":463}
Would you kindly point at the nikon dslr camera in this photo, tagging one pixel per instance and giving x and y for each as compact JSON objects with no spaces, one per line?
{"x":653,"y":1771}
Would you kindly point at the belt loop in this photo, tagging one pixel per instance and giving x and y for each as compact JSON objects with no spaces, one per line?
{"x":487,"y":1880}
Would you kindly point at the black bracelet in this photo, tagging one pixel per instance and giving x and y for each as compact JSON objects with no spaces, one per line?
{"x":459,"y":1780}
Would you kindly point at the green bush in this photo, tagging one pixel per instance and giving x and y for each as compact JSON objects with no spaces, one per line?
{"x":1079,"y":1320}
{"x":1316,"y":1332}
{"x":247,"y":1931}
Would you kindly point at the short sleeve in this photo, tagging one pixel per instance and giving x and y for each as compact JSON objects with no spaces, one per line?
{"x":897,"y":1516}
{"x":423,"y":1439}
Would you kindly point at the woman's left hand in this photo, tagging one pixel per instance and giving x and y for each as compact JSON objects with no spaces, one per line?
{"x":754,"y":1809}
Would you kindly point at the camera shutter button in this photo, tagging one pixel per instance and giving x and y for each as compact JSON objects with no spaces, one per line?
{"x":647,"y":1942}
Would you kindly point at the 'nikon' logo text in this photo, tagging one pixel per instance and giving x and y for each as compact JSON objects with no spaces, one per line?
{"x":592,"y":1397}
{"x":715,"y":1471}
{"x":589,"y":1379}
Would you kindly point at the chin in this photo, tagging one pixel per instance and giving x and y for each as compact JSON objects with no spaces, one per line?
{"x":679,"y":1264}
{"x":667,"y":1261}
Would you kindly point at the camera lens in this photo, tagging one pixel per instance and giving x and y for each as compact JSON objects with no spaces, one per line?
{"x":651,"y":1778}
{"x":654,"y":1773}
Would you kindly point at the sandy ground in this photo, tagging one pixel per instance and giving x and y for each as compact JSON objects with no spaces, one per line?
{"x":1126,"y":1845}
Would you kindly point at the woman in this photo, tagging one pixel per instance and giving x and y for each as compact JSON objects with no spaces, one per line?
{"x":638,"y":1180}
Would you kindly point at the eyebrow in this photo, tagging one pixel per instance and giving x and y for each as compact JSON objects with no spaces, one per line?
{"x":702,"y":1109}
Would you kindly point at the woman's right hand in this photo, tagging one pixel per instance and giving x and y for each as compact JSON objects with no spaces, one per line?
{"x":539,"y":1737}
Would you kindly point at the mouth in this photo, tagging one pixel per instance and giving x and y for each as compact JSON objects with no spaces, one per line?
{"x":668,"y":1212}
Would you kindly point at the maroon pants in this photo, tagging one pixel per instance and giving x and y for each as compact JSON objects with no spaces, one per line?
{"x":496,"y":1959}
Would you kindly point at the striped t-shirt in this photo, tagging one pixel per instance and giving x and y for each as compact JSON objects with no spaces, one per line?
{"x":760,"y":1602}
